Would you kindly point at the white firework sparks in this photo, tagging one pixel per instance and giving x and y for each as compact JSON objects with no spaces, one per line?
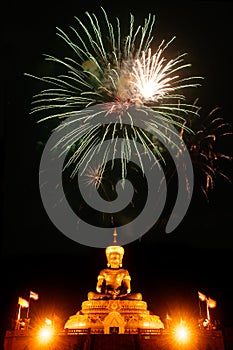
{"x":118,"y":73}
{"x":154,"y":79}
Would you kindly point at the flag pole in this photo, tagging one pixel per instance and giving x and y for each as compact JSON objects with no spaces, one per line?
{"x":200,"y":313}
{"x":19,"y":313}
{"x":28,"y":307}
{"x":18,"y":316}
{"x":207,"y":310}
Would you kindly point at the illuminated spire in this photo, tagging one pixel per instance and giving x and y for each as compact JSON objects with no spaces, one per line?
{"x":115,"y":236}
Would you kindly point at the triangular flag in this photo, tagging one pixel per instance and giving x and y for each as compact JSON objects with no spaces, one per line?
{"x":202,"y":296}
{"x":211,"y":303}
{"x":22,"y":302}
{"x":34,"y":296}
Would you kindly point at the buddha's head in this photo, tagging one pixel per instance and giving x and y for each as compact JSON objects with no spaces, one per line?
{"x":114,"y":256}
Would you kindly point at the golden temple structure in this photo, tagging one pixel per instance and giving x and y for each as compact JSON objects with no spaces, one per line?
{"x":113,"y":317}
{"x":113,"y":308}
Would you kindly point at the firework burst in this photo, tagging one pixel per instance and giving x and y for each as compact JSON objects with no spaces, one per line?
{"x":205,"y":149}
{"x":119,"y":73}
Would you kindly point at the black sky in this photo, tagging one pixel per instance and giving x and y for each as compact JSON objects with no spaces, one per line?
{"x":167,"y":269}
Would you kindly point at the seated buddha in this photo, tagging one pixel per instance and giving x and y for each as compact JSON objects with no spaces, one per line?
{"x":114,"y":281}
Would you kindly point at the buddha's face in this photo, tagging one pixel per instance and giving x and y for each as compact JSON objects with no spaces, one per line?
{"x":114,"y":260}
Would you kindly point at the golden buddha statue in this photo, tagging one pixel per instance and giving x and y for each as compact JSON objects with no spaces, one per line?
{"x":114,"y":281}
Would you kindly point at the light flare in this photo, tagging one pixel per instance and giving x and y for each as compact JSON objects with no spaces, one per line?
{"x":182,"y":334}
{"x":45,"y":334}
{"x":154,"y":78}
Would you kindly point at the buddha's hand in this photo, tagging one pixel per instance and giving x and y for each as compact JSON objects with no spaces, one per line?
{"x":114,"y":293}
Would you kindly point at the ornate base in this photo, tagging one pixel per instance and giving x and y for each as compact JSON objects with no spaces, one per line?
{"x":120,"y":316}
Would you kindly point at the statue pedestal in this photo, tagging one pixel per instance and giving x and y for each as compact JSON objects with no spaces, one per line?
{"x":114,"y":316}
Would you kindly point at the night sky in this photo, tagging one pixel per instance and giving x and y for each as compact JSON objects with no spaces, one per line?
{"x":168,"y":269}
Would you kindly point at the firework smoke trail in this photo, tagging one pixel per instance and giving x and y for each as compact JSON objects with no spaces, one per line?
{"x":118,"y":73}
